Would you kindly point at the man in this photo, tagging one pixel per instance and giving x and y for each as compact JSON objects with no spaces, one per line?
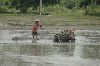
{"x":71,"y":34}
{"x":35,"y":27}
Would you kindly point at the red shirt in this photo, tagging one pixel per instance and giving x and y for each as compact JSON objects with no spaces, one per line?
{"x":36,"y":27}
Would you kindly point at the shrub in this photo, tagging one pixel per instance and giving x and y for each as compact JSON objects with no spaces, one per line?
{"x":70,"y":4}
{"x":94,"y":10}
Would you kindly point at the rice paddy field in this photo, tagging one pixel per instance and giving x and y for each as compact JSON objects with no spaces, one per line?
{"x":44,"y":52}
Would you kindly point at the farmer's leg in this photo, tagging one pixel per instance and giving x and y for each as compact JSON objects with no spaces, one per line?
{"x":36,"y":34}
{"x":33,"y":34}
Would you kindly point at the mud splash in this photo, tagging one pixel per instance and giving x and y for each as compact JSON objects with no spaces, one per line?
{"x":44,"y":52}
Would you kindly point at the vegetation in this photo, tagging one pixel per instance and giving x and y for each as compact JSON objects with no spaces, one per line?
{"x":51,"y":7}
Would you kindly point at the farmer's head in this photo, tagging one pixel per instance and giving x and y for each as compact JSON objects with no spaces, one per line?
{"x":37,"y":21}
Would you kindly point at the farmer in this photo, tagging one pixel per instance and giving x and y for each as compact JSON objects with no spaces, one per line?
{"x":35,"y":27}
{"x":71,"y":34}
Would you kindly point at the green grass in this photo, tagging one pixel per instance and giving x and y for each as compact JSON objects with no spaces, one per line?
{"x":84,"y":21}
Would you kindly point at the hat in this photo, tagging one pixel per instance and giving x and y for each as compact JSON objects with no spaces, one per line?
{"x":36,"y":20}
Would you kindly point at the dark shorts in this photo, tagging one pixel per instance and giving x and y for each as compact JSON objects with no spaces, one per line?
{"x":34,"y":33}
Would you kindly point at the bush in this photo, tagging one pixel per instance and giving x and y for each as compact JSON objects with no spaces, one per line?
{"x":70,"y":4}
{"x":94,"y":10}
{"x":58,"y":10}
{"x":3,"y":10}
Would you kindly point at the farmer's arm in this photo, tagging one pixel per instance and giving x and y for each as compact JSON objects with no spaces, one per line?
{"x":40,"y":25}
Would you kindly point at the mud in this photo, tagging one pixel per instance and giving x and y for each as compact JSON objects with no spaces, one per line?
{"x":44,"y":52}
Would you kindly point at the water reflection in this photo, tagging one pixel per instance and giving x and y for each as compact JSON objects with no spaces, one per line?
{"x":44,"y":52}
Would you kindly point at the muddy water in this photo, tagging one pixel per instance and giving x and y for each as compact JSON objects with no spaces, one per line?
{"x":44,"y":52}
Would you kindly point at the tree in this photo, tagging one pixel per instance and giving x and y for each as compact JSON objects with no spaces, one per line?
{"x":4,"y":5}
{"x":70,"y":4}
{"x":23,"y":5}
{"x":84,"y":4}
{"x":98,"y":2}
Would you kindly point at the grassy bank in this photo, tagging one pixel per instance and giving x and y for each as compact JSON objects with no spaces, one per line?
{"x":84,"y":21}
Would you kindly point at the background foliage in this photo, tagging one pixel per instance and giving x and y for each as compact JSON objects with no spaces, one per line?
{"x":52,"y":7}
